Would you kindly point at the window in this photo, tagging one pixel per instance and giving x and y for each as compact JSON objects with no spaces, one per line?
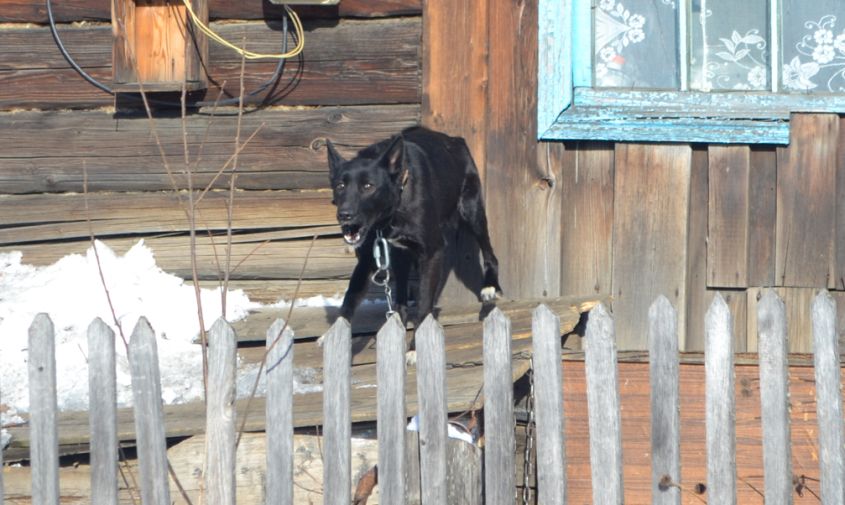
{"x":715,"y":71}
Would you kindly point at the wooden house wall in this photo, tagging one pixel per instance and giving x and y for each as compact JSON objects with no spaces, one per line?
{"x":635,"y":220}
{"x":358,"y":81}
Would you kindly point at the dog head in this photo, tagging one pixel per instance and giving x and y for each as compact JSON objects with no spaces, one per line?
{"x":367,"y":188}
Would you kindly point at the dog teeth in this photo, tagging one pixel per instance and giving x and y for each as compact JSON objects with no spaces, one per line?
{"x":488,"y":294}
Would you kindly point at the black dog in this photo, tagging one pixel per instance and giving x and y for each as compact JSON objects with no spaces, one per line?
{"x":409,"y":188}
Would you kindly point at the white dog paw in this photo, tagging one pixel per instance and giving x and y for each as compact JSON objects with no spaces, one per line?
{"x":411,"y":358}
{"x":488,"y":294}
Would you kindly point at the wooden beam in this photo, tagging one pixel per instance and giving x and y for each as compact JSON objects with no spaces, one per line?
{"x":378,"y":62}
{"x":32,"y":11}
{"x":120,"y":154}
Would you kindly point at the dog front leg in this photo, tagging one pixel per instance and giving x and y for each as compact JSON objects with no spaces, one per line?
{"x":430,"y":273}
{"x":358,"y":284}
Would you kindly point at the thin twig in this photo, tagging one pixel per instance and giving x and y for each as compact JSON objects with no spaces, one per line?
{"x":97,"y":258}
{"x":231,"y":203}
{"x":178,"y":484}
{"x":263,"y":362}
{"x":228,"y":162}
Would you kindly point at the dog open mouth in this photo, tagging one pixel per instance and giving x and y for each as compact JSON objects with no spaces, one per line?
{"x":352,"y":234}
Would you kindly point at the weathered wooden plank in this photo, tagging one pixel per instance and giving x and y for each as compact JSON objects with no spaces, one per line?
{"x":762,"y":217}
{"x":220,"y":415}
{"x":42,"y":217}
{"x":697,"y":296}
{"x":279,"y":412}
{"x":839,"y":245}
{"x":464,"y":480}
{"x":377,"y":59}
{"x":727,"y":244}
{"x":523,"y":202}
{"x":392,"y":420}
{"x":431,"y":396}
{"x":121,"y":154}
{"x":102,"y":394}
{"x":499,"y":445}
{"x":454,"y":77}
{"x":44,"y":453}
{"x":259,"y":259}
{"x":32,"y":11}
{"x":828,"y":400}
{"x":720,"y":402}
{"x":774,"y":398}
{"x":149,"y":417}
{"x":799,"y":319}
{"x":587,"y":223}
{"x":548,"y":404}
{"x":665,"y":402}
{"x":651,"y":205}
{"x":806,"y":202}
{"x":337,"y":423}
{"x":412,"y":468}
{"x":603,"y":408}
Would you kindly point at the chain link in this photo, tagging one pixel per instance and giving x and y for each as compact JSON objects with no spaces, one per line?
{"x":528,"y":463}
{"x":381,"y":255}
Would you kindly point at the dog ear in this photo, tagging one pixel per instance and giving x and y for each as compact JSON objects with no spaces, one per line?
{"x":335,"y":159}
{"x":392,"y":158}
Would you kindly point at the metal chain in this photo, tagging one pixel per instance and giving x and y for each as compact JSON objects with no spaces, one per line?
{"x":381,"y":255}
{"x":528,"y":464}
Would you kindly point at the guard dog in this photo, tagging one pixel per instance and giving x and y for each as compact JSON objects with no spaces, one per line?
{"x":408,"y":189}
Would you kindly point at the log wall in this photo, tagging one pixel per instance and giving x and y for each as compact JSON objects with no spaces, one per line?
{"x":357,"y":81}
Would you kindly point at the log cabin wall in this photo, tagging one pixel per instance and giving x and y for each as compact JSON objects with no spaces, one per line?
{"x":635,"y":220}
{"x":358,"y":81}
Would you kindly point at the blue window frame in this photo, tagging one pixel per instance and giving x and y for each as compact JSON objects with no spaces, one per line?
{"x":571,"y":108}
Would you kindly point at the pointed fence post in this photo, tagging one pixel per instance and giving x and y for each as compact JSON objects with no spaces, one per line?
{"x":499,"y":450}
{"x":431,"y":398}
{"x":548,"y":404}
{"x":279,"y":411}
{"x":828,"y":399}
{"x":149,"y":416}
{"x":220,"y":415}
{"x":102,"y":418}
{"x":603,"y":408}
{"x":44,"y":436}
{"x":337,"y":420}
{"x":774,"y":398}
{"x":720,"y":403}
{"x":390,"y":350}
{"x":665,"y":403}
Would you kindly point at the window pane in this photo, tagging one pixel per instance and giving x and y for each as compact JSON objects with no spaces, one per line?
{"x":730,"y":45}
{"x":636,"y":44}
{"x":813,"y":46}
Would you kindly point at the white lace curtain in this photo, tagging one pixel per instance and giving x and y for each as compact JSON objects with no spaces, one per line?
{"x":636,"y":45}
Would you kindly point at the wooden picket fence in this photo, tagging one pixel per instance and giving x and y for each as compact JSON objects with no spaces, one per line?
{"x":499,"y":447}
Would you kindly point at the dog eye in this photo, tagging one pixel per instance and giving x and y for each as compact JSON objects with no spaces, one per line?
{"x":340,"y":186}
{"x":368,"y":186}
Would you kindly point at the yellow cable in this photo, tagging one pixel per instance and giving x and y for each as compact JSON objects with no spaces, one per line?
{"x":297,"y":24}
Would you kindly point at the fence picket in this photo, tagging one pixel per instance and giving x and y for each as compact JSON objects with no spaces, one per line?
{"x":102,"y":418}
{"x":337,"y":424}
{"x":720,"y":403}
{"x":431,"y":398}
{"x":774,"y":398}
{"x":390,"y":349}
{"x":603,"y":408}
{"x":548,"y":404}
{"x":665,"y":400}
{"x":149,"y":416}
{"x":44,"y":451}
{"x":828,"y":400}
{"x":220,"y":415}
{"x":279,"y":411}
{"x":2,"y":487}
{"x":499,"y":450}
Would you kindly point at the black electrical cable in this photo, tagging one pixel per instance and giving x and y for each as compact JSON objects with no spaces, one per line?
{"x":277,"y":73}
